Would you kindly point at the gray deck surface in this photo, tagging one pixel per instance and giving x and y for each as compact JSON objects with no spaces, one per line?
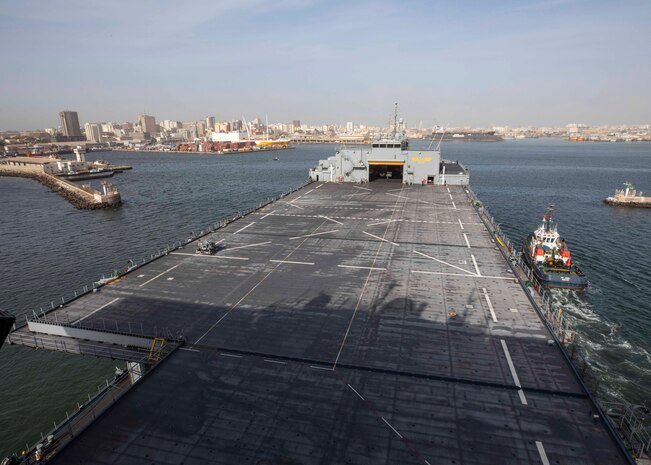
{"x":344,"y":324}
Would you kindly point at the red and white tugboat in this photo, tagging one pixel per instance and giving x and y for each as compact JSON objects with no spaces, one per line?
{"x":546,"y":252}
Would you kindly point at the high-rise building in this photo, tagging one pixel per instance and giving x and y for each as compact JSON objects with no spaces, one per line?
{"x":350,"y":127}
{"x":70,"y":124}
{"x":93,"y":132}
{"x":210,"y":122}
{"x":147,"y":124}
{"x":296,"y":125}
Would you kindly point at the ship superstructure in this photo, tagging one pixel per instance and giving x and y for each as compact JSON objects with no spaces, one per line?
{"x":390,"y":157}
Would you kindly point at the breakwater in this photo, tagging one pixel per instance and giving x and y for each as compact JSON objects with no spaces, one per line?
{"x":82,"y":197}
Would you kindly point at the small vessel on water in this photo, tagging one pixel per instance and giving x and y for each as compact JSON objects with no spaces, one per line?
{"x":546,"y":252}
{"x":629,"y":197}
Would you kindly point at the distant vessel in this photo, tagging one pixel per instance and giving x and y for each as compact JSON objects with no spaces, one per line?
{"x":549,"y":257}
{"x":629,"y":197}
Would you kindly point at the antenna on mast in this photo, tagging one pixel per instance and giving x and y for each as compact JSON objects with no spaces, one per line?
{"x":395,"y":120}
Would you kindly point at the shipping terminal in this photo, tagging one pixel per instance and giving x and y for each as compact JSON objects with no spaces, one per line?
{"x":372,"y":316}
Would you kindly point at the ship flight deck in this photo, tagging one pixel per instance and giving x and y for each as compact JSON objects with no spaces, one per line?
{"x":345,"y":323}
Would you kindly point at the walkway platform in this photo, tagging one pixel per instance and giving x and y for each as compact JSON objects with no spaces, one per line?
{"x":374,"y":324}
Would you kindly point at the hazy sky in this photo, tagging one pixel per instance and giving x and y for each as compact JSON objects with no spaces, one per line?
{"x":480,"y":63}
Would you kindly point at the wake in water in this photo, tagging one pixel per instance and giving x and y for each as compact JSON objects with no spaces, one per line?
{"x":622,"y":366}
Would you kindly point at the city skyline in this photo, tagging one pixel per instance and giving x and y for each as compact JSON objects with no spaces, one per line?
{"x":542,"y":63}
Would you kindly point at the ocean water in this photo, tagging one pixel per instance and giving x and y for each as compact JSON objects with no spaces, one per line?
{"x":49,"y":249}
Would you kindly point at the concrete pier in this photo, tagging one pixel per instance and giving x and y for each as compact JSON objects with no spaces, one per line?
{"x":83,"y":197}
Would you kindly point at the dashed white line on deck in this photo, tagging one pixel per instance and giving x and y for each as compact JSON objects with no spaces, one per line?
{"x":542,"y":453}
{"x":490,"y":304}
{"x":474,"y":262}
{"x":355,"y":391}
{"x":365,"y":188}
{"x":465,"y":236}
{"x":319,"y":186}
{"x":275,"y":361}
{"x":315,"y":234}
{"x":270,"y":213}
{"x":381,"y":238}
{"x":454,"y":207}
{"x":166,"y":271}
{"x":231,"y":355}
{"x":460,"y":223}
{"x":392,"y":428}
{"x":383,"y":222}
{"x":242,"y":229}
{"x":516,"y":380}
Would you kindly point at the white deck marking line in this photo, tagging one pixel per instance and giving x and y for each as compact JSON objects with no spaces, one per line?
{"x":542,"y":453}
{"x":454,"y":207}
{"x":448,"y":189}
{"x":361,"y":294}
{"x":159,"y":275}
{"x":360,"y":193}
{"x":307,"y":192}
{"x":295,"y":206}
{"x":95,"y":311}
{"x":474,"y":262}
{"x":292,"y":201}
{"x":383,"y":222}
{"x":334,"y":221}
{"x":242,"y":229}
{"x":315,"y":234}
{"x":231,"y":355}
{"x":451,"y":197}
{"x":188,"y":349}
{"x":362,"y":267}
{"x":275,"y":361}
{"x":381,"y":238}
{"x":293,"y":263}
{"x":322,"y":368}
{"x":490,"y":304}
{"x":516,"y":380}
{"x":427,"y":463}
{"x":319,"y":186}
{"x":270,"y":213}
{"x":353,"y":389}
{"x":445,"y":263}
{"x":399,"y":196}
{"x":460,"y":223}
{"x":464,"y":275}
{"x":248,"y":245}
{"x":389,"y":425}
{"x":365,"y":188}
{"x":465,"y":236}
{"x":207,"y":256}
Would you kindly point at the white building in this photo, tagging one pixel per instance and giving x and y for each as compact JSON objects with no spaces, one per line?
{"x":93,"y":132}
{"x":233,"y":136}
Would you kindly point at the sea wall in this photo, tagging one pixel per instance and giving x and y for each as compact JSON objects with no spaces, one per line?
{"x":78,"y":196}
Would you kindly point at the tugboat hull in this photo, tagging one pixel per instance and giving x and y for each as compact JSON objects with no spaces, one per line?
{"x":573,"y":279}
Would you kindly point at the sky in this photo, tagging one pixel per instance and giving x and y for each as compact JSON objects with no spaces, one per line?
{"x":457,"y":63}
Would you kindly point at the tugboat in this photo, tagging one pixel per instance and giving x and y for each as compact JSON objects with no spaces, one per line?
{"x":550,"y":259}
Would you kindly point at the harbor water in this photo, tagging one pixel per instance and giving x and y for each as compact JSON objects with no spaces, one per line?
{"x":50,"y":249}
